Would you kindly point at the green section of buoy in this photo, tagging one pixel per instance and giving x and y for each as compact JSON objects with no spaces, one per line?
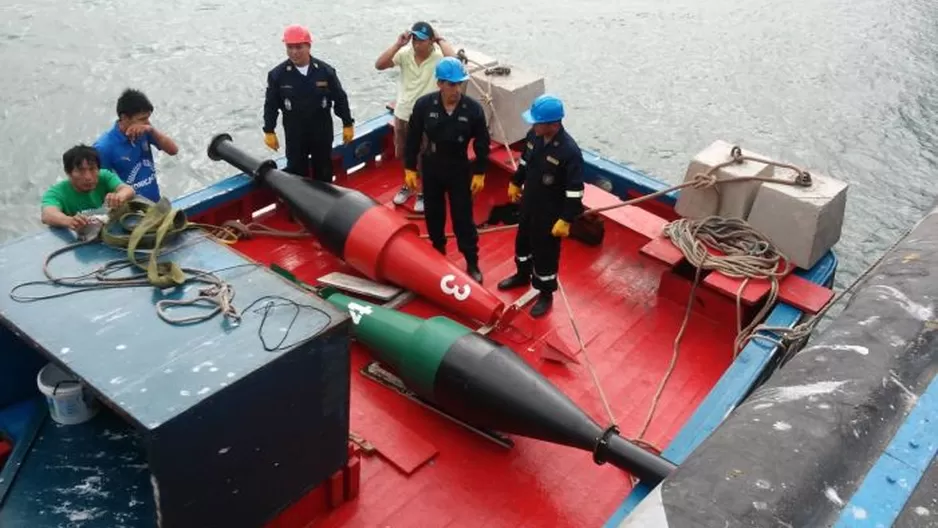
{"x":412,"y":346}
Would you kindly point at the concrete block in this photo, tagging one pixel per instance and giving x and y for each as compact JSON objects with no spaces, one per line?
{"x":802,"y":222}
{"x":734,"y":199}
{"x":511,"y":94}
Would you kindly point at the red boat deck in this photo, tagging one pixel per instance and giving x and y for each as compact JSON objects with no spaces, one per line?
{"x":628,"y":306}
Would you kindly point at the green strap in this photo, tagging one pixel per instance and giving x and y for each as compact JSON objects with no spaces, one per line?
{"x":159,"y":222}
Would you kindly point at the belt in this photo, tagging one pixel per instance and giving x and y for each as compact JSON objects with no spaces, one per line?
{"x":436,"y":149}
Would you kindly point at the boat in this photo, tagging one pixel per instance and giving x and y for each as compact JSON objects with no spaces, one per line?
{"x":260,"y":406}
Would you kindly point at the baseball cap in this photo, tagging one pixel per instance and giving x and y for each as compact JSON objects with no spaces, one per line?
{"x":422,"y":31}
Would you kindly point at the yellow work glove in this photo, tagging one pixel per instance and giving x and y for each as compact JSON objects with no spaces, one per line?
{"x":478,"y":183}
{"x":561,"y":228}
{"x":270,"y":138}
{"x":410,"y":179}
{"x":348,"y":134}
{"x":514,"y":193}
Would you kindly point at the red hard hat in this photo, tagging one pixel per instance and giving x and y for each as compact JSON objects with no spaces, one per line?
{"x":297,"y":34}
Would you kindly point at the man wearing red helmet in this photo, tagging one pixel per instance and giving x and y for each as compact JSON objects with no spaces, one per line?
{"x":305,"y":88}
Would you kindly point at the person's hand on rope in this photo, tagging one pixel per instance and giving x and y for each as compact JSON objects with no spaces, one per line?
{"x":77,"y":222}
{"x":478,"y":183}
{"x":410,"y":179}
{"x":270,"y":139}
{"x":113,"y":200}
{"x":514,"y":193}
{"x":561,"y":228}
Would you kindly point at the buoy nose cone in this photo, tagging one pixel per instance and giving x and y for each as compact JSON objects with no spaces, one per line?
{"x":398,"y":255}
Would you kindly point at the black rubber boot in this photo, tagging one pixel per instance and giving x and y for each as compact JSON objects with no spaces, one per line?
{"x":515,"y":281}
{"x":472,"y":268}
{"x":543,"y":304}
{"x":441,"y":249}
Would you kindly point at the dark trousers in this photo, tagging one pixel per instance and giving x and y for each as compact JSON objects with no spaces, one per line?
{"x":309,"y":155}
{"x":537,"y":252}
{"x":453,"y":180}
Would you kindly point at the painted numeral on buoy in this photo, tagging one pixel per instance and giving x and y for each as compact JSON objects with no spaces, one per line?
{"x":357,"y":311}
{"x":461,"y":293}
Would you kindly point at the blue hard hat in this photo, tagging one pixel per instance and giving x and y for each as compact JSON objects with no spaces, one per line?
{"x":450,"y":69}
{"x":544,"y":109}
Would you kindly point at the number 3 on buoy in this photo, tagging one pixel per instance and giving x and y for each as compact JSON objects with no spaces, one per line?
{"x":461,"y":293}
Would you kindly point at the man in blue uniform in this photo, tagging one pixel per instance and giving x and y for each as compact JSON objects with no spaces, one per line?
{"x":305,"y":89}
{"x":449,"y":119}
{"x":125,"y":148}
{"x":551,"y":175}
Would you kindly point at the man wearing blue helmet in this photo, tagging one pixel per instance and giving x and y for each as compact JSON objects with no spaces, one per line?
{"x":551,"y":174}
{"x":449,"y":119}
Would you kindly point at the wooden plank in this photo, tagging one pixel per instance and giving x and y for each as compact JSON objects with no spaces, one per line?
{"x":803,"y":294}
{"x":632,"y":217}
{"x":662,"y":249}
{"x":635,"y":218}
{"x":594,"y":197}
{"x":400,"y":446}
{"x":501,"y":157}
{"x":752,"y":293}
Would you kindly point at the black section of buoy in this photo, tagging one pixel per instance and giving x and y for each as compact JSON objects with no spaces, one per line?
{"x":490,"y":386}
{"x":326,"y":210}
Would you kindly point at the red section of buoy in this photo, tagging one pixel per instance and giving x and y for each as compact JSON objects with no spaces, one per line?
{"x":386,"y":248}
{"x":369,"y":237}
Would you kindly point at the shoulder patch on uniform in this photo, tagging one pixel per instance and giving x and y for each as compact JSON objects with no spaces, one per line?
{"x":464,"y":119}
{"x":322,"y":83}
{"x":553,"y":160}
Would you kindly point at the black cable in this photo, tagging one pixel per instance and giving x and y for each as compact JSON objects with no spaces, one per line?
{"x":266,"y":310}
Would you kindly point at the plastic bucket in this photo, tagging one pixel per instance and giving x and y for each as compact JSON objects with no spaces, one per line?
{"x":68,"y":400}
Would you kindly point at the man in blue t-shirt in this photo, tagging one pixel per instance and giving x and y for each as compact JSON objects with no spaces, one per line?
{"x":125,"y":148}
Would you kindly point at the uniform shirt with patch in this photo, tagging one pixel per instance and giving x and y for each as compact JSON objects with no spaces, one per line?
{"x":416,"y":79}
{"x":552,"y":175}
{"x":131,"y":160}
{"x":70,"y":201}
{"x":448,"y":135}
{"x":305,"y":95}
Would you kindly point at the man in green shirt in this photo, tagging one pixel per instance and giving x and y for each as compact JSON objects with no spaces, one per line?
{"x":88,"y":187}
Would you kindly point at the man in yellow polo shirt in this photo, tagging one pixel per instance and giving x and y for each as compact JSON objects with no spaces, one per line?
{"x":417,"y":64}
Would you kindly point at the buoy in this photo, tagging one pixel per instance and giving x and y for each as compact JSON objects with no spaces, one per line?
{"x":486,"y":384}
{"x":369,"y":237}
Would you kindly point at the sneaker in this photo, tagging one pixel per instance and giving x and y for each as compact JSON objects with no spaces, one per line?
{"x":402,"y":195}
{"x":418,"y":205}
